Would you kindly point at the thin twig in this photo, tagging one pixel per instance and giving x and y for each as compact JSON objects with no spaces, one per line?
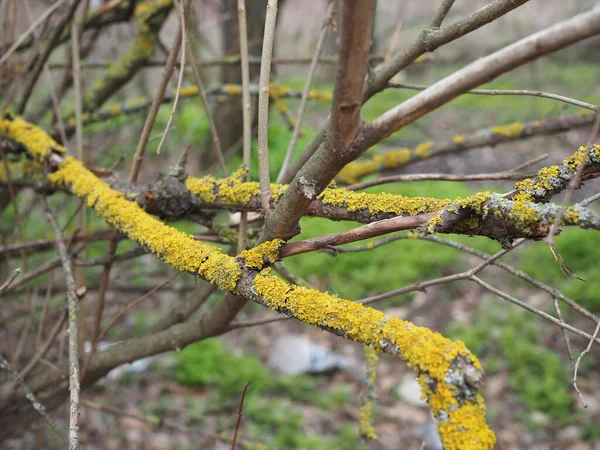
{"x":356,"y":234}
{"x":180,"y":9}
{"x":30,"y":30}
{"x":246,"y":115}
{"x":506,"y":175}
{"x":583,"y":353}
{"x":239,"y":417}
{"x":525,"y":92}
{"x":263,"y":106}
{"x":37,"y":405}
{"x":441,"y":13}
{"x":73,"y":305}
{"x":304,"y":101}
{"x":15,"y":273}
{"x":564,"y":332}
{"x":422,"y":285}
{"x":216,"y":142}
{"x":156,"y":102}
{"x":590,"y":200}
{"x":533,"y":310}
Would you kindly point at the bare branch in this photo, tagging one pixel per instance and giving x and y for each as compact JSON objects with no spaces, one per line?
{"x":441,"y":13}
{"x":355,"y":42}
{"x":73,"y":303}
{"x":516,"y":92}
{"x":581,"y":355}
{"x":15,"y":273}
{"x":263,"y":105}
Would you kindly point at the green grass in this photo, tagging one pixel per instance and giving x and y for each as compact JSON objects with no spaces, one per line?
{"x":272,"y":406}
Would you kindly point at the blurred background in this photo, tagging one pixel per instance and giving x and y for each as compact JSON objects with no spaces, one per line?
{"x":306,"y":384}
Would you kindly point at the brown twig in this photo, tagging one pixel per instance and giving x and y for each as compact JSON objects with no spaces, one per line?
{"x":263,"y":106}
{"x":239,"y":417}
{"x":422,"y":285}
{"x":159,"y":94}
{"x":356,"y":234}
{"x":216,"y":142}
{"x":182,"y":39}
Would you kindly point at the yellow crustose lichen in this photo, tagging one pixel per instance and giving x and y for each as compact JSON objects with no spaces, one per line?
{"x":511,"y":130}
{"x":392,"y":159}
{"x":174,"y":247}
{"x":37,"y":142}
{"x":461,"y":425}
{"x":230,"y":191}
{"x":381,"y":203}
{"x":425,"y":352}
{"x":262,"y":255}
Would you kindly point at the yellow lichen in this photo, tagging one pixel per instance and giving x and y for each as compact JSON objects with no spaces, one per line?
{"x":523,"y":214}
{"x":381,"y":203}
{"x":204,"y":187}
{"x":174,"y":247}
{"x":366,"y":427}
{"x":277,"y":91}
{"x":187,"y":91}
{"x":230,"y":191}
{"x":319,"y":96}
{"x":232,"y":89}
{"x":576,"y":158}
{"x":34,"y":139}
{"x":424,"y":351}
{"x":422,"y":150}
{"x":431,"y":223}
{"x":476,"y":202}
{"x":392,"y":159}
{"x":262,"y":255}
{"x":459,"y":139}
{"x":511,"y":130}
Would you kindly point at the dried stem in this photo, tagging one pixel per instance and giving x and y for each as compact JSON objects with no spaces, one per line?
{"x":73,"y":306}
{"x":263,"y":105}
{"x":239,"y":416}
{"x":180,"y":10}
{"x":160,"y":92}
{"x":216,"y":142}
{"x":582,"y":354}
{"x":15,"y":273}
{"x":246,"y":114}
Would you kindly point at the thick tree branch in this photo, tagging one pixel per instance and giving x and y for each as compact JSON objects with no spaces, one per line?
{"x":484,"y":70}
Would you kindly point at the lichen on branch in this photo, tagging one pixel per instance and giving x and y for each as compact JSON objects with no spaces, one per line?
{"x":448,"y":373}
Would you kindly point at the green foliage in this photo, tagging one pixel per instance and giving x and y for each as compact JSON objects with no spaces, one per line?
{"x":506,"y":338}
{"x":270,"y":417}
{"x":206,"y":363}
